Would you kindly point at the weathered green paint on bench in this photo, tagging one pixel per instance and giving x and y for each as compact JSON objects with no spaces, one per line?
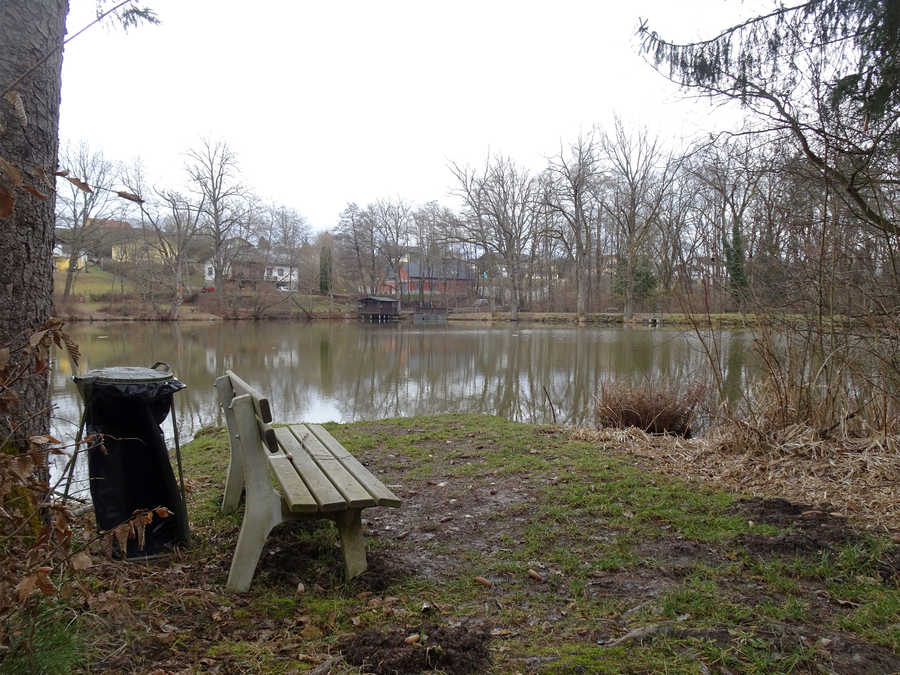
{"x":315,"y":475}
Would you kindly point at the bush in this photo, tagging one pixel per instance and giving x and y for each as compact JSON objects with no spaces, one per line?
{"x":656,"y":409}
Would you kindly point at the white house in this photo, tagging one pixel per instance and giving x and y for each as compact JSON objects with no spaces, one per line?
{"x":273,"y":265}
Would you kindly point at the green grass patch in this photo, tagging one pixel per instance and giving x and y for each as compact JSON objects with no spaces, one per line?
{"x":578,"y":547}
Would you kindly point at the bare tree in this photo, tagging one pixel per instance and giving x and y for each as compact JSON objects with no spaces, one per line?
{"x":356,"y":247}
{"x":80,"y":209}
{"x":391,"y":220}
{"x":501,"y":203}
{"x":292,"y":232}
{"x":571,"y":195}
{"x":175,"y":221}
{"x":213,"y":169}
{"x":640,"y":175}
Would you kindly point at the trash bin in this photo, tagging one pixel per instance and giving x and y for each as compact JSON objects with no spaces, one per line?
{"x":128,"y":463}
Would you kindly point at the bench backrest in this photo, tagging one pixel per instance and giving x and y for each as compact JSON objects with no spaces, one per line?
{"x":230,"y":386}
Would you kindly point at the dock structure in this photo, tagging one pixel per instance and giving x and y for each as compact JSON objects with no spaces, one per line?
{"x":379,"y":309}
{"x":436,"y":316}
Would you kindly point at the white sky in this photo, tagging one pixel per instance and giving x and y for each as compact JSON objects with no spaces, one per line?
{"x":334,"y":101}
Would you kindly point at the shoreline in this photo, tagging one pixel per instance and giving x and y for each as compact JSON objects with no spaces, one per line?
{"x":646,"y":319}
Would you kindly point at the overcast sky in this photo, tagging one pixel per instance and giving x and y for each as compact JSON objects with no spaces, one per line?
{"x":330,"y":102}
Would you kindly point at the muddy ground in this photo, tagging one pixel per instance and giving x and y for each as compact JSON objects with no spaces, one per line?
{"x":476,"y":572}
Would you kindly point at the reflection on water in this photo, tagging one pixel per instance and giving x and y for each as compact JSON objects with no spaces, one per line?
{"x":346,"y":371}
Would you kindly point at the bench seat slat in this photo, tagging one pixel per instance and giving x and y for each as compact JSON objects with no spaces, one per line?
{"x":326,"y":496}
{"x":356,"y":495}
{"x":383,"y":496}
{"x":294,"y":490}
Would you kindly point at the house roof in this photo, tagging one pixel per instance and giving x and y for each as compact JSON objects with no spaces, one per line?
{"x":446,"y":269}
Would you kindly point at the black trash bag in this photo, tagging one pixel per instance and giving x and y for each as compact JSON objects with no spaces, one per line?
{"x":128,"y":463}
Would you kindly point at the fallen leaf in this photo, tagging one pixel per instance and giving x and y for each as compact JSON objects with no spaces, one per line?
{"x":301,"y":588}
{"x":43,"y":581}
{"x":26,"y":587}
{"x":412,"y":639}
{"x":484,"y":582}
{"x":356,"y":620}
{"x":81,"y":561}
{"x":311,"y":632}
{"x":535,"y":575}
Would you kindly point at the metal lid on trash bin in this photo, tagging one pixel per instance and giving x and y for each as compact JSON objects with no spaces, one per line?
{"x":126,"y":375}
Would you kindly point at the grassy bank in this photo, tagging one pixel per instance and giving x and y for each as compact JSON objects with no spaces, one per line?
{"x":517,"y":549}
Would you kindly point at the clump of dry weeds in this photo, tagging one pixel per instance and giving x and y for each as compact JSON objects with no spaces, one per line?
{"x":856,"y":476}
{"x":656,"y":408}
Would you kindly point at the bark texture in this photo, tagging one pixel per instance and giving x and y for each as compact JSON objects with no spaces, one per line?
{"x":29,"y":30}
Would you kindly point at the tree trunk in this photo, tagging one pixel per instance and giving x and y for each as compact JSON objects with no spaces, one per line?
{"x":70,"y":275}
{"x":179,"y":291}
{"x":628,"y":290}
{"x":29,"y":30}
{"x":580,"y":292}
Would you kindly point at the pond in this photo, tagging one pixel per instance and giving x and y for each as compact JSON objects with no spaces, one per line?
{"x":344,"y":372}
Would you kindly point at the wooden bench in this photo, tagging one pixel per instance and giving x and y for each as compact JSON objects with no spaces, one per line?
{"x":315,"y":475}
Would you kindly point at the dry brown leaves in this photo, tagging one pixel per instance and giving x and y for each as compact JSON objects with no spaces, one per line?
{"x":857,"y":476}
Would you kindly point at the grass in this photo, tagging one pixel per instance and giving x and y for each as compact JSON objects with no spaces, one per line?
{"x":90,"y":284}
{"x":612,"y":547}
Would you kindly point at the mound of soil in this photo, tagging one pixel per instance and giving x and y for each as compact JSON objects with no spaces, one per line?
{"x":456,"y":651}
{"x":810,"y":528}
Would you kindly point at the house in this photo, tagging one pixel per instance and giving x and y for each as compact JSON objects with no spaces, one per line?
{"x":141,"y":246}
{"x":252,"y":264}
{"x":446,"y":277}
{"x":95,"y":237}
{"x":62,"y":258}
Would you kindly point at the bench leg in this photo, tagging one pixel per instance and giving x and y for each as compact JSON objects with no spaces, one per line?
{"x":260,"y":516}
{"x":352,"y":543}
{"x":234,"y":482}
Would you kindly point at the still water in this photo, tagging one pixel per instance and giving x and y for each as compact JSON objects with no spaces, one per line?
{"x":346,"y":371}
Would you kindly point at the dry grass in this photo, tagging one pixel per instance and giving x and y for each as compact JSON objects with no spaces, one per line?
{"x":857,"y":477}
{"x":656,"y":408}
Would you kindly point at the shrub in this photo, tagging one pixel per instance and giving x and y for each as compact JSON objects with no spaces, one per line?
{"x":655,"y":408}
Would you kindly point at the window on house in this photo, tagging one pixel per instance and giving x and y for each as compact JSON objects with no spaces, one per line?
{"x":280,"y":271}
{"x":209,"y":271}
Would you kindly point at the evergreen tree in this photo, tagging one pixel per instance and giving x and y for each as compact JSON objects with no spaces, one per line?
{"x":325,"y":269}
{"x":734,"y":259}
